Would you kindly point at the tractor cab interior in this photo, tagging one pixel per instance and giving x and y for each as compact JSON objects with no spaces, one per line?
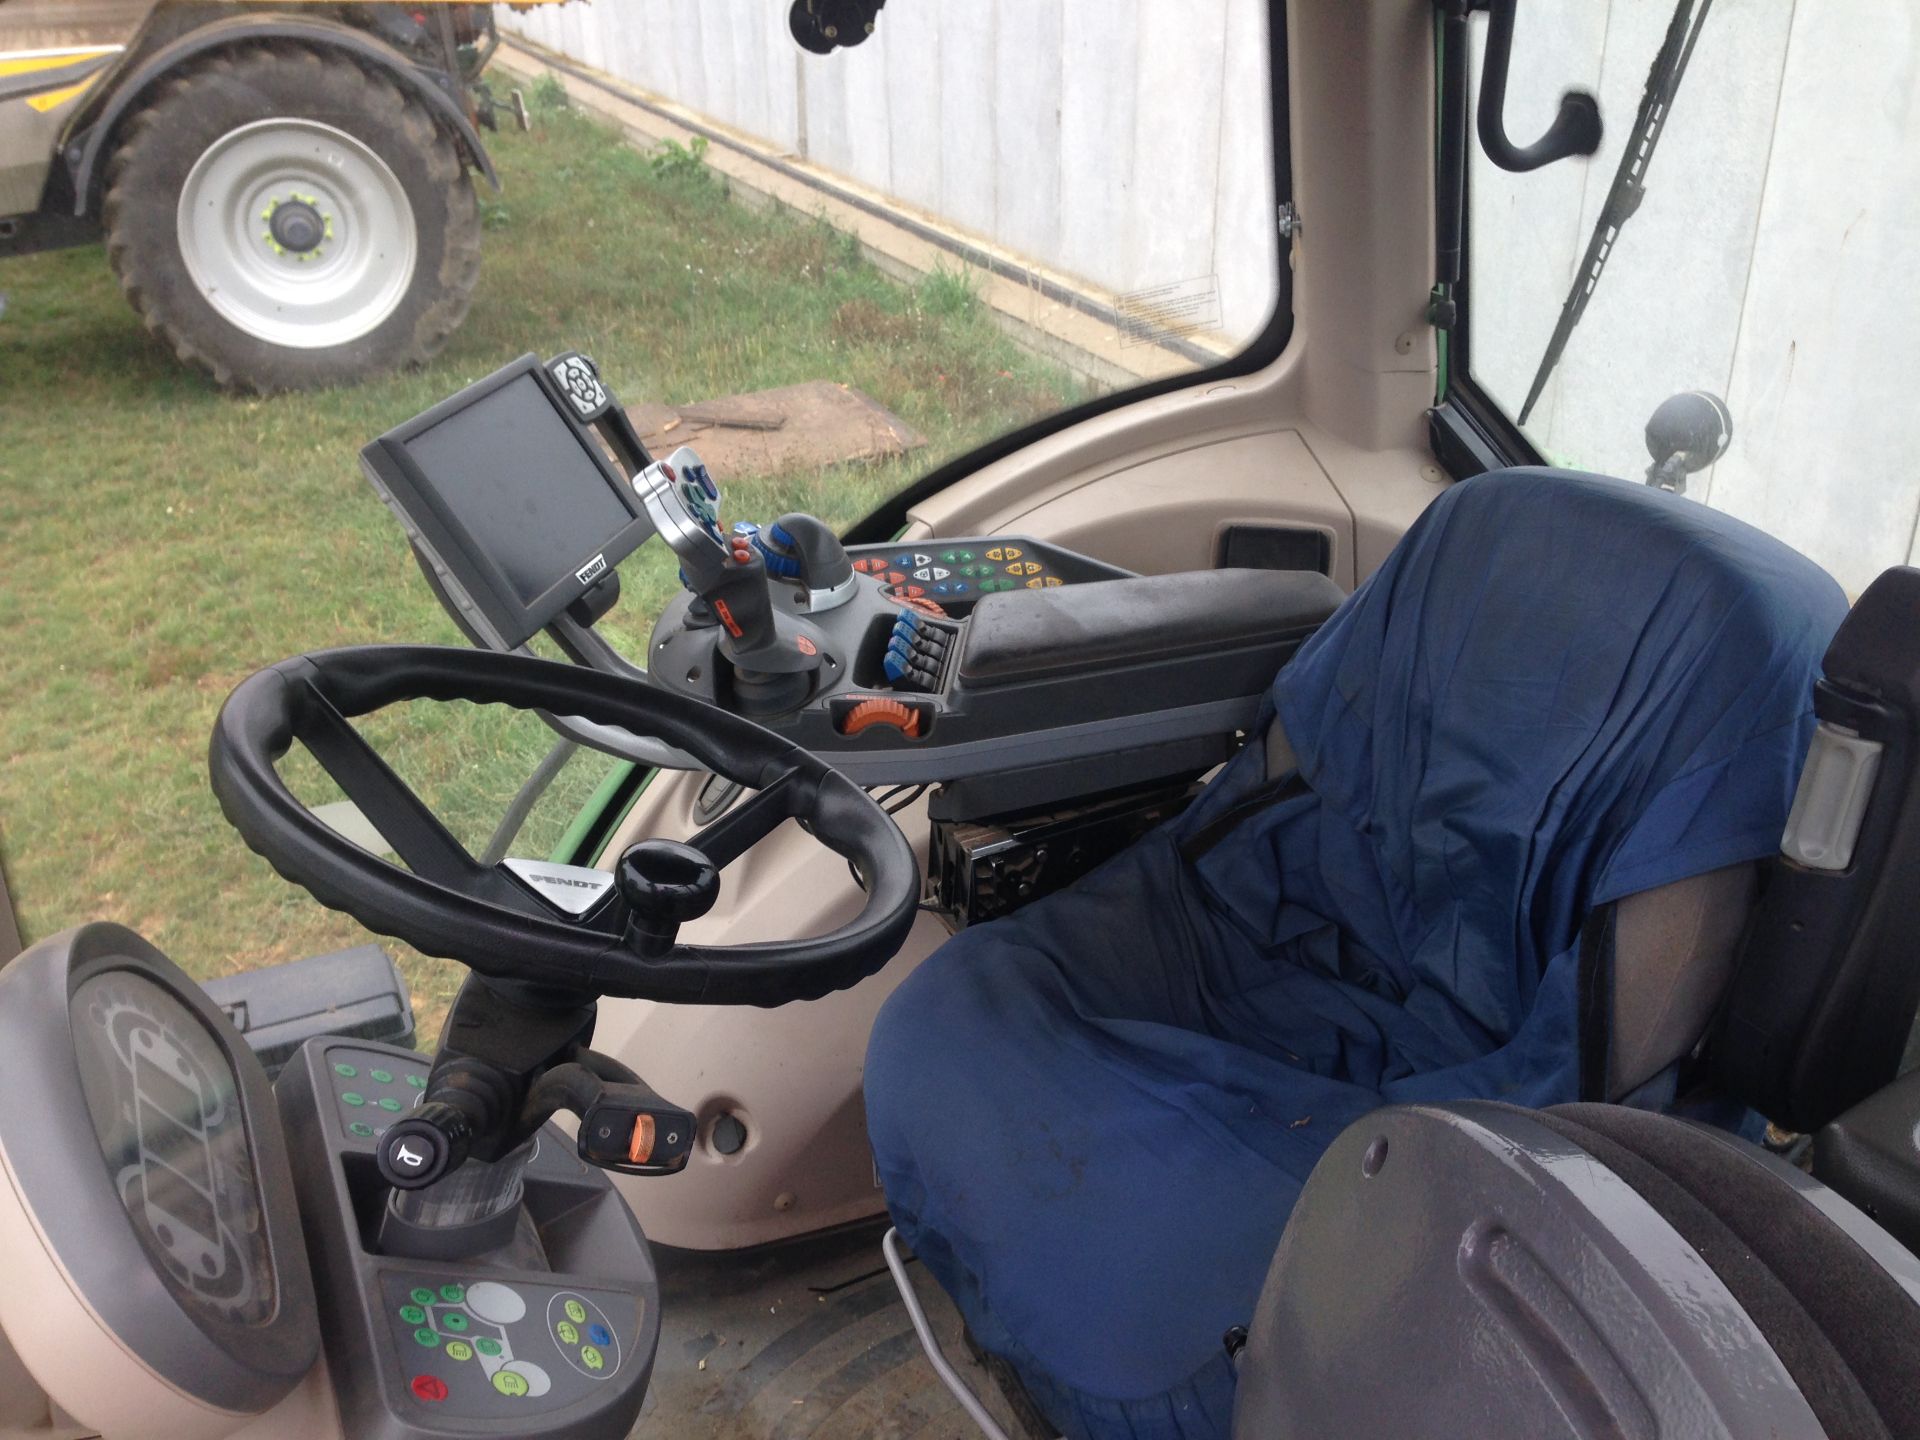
{"x":1256,"y":909}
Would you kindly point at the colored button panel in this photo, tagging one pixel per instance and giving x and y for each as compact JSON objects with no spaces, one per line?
{"x":599,"y":1335}
{"x":346,"y":1072}
{"x":453,"y":1294}
{"x":508,"y":1383}
{"x":413,"y":1315}
{"x":352,"y":1097}
{"x":459,"y":1350}
{"x":421,"y":1295}
{"x":388,"y":1104}
{"x":426,"y":1337}
{"x":487,"y":1347}
{"x":430,"y":1388}
{"x":418,"y":1082}
{"x":360,"y":1128}
{"x":454,"y":1321}
{"x":592,"y":1358}
{"x":568,"y":1332}
{"x":384,"y":1077}
{"x":576,"y":1312}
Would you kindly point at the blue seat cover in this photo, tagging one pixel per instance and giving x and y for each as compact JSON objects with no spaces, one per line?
{"x":1092,"y":1118}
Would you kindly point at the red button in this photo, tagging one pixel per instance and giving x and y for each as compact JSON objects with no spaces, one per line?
{"x":430,"y":1388}
{"x":896,"y":577}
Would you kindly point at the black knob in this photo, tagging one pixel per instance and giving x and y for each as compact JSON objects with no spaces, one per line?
{"x":665,"y":884}
{"x":426,"y":1145}
{"x":810,"y":549}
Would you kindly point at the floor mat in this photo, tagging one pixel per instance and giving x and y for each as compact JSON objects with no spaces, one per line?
{"x":803,"y":1340}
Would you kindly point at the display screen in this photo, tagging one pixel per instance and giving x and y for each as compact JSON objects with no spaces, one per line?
{"x":166,"y":1109}
{"x":515,"y":475}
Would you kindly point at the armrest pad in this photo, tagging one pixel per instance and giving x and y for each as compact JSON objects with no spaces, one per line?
{"x":1031,"y":634}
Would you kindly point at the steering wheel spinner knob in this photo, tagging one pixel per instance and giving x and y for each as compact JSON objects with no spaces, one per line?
{"x":665,"y":884}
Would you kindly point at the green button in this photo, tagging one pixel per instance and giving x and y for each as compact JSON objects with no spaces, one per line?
{"x":459,"y":1350}
{"x":385,"y":1077}
{"x":352,"y":1097}
{"x":426,"y":1337}
{"x":486,"y":1346}
{"x":413,"y":1315}
{"x":567,"y":1333}
{"x":361,"y":1128}
{"x":592,"y":1358}
{"x":418,"y":1082}
{"x":576,"y":1312}
{"x":346,"y":1072}
{"x":388,"y":1103}
{"x":453,"y":1294}
{"x":509,"y":1383}
{"x":422,"y":1296}
{"x":454,"y":1320}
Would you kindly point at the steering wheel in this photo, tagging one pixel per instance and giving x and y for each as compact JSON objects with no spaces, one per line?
{"x":446,"y":903}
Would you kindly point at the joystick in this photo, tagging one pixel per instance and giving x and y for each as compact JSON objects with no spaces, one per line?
{"x":773,"y":655}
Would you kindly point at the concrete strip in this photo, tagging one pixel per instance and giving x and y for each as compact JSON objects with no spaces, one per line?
{"x":1093,"y":349}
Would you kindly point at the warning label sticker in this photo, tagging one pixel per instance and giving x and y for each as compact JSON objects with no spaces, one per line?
{"x":1172,"y":311}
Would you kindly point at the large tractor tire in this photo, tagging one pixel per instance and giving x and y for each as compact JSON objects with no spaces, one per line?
{"x":284,"y":218}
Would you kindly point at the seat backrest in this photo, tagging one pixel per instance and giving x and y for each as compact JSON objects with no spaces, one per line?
{"x":1558,"y":696}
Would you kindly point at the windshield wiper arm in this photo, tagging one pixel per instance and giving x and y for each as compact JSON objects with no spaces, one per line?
{"x":1629,"y":182}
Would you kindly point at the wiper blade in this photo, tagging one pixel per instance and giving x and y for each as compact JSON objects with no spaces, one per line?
{"x":1629,"y":181}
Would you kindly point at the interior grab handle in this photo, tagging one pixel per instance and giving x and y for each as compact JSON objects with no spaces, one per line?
{"x":1575,"y":130}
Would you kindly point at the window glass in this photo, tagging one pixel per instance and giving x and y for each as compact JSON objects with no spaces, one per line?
{"x":1769,"y":263}
{"x":828,"y":273}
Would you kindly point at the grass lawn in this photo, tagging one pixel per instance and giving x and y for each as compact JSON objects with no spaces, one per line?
{"x":160,"y":540}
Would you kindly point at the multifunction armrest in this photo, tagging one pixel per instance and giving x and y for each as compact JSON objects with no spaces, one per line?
{"x":1038,"y":634}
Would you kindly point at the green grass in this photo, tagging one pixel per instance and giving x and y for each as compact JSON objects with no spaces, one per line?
{"x":160,"y":540}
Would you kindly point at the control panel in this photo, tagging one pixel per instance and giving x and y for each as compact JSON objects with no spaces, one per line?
{"x":487,"y":1350}
{"x":954,"y":574}
{"x":555,"y":1330}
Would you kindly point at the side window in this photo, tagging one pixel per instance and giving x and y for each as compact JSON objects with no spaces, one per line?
{"x":1768,"y":263}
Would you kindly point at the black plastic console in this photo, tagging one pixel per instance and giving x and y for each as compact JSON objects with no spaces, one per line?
{"x":555,"y":1336}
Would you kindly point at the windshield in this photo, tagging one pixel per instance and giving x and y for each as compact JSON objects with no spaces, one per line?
{"x":1767,"y":263}
{"x":828,"y":273}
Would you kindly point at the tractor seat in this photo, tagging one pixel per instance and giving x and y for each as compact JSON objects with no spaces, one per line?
{"x":1499,"y":844}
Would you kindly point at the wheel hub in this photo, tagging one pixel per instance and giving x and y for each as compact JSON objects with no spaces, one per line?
{"x":297,"y":225}
{"x":297,"y":233}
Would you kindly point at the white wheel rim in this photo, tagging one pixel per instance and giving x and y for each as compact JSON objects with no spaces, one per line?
{"x":353,"y":244}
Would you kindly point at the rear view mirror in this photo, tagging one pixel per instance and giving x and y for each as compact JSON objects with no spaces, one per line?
{"x":1686,"y":433}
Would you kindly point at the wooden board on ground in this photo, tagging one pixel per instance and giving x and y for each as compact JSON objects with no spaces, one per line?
{"x":769,"y":432}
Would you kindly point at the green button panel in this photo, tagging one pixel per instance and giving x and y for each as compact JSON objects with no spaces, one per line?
{"x":353,"y":1098}
{"x":592,"y":1358}
{"x":459,"y":1350}
{"x":486,"y":1346}
{"x":453,"y":1294}
{"x":388,"y":1103}
{"x":360,"y":1128}
{"x":413,"y":1315}
{"x":508,"y":1383}
{"x":426,"y":1337}
{"x":422,"y":1296}
{"x":383,"y":1077}
{"x":454,"y":1320}
{"x":569,"y":1333}
{"x":346,"y":1072}
{"x":576,"y":1312}
{"x":418,"y":1082}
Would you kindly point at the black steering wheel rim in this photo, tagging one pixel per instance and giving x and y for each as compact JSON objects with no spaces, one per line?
{"x":450,"y":905}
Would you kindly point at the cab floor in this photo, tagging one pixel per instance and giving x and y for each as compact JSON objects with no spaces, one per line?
{"x":803,"y":1340}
